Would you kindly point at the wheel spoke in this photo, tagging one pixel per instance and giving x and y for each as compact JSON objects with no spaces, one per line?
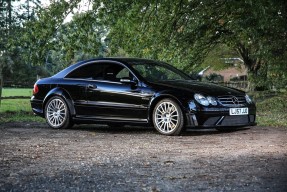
{"x":165,"y":126}
{"x":161,"y":109}
{"x":172,"y":124}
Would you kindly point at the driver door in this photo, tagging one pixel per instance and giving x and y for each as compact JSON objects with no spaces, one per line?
{"x":113,"y":98}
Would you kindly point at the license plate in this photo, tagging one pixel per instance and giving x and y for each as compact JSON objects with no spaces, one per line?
{"x":238,"y":111}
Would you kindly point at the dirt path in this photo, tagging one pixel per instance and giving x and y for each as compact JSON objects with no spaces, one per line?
{"x":98,"y":158}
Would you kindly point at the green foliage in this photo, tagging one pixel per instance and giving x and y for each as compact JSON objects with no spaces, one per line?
{"x":216,"y":57}
{"x":180,"y":32}
{"x":19,"y":72}
{"x":11,"y":28}
{"x":38,"y":37}
{"x":184,"y":32}
{"x":149,"y":29}
{"x":271,"y":109}
{"x":82,"y":38}
{"x":53,"y":43}
{"x":277,"y":74}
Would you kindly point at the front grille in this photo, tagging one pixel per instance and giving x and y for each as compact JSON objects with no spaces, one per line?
{"x":235,"y":120}
{"x":211,"y":121}
{"x":232,"y":101}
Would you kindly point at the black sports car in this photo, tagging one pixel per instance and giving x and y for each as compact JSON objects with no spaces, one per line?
{"x":119,"y":91}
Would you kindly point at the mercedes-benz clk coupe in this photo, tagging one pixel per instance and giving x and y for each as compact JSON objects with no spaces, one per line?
{"x":131,"y":91}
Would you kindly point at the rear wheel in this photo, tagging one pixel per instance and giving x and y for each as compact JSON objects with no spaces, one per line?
{"x":57,"y":113}
{"x":168,"y":117}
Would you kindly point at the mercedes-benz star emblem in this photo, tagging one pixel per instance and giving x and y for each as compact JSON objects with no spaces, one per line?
{"x":235,"y":100}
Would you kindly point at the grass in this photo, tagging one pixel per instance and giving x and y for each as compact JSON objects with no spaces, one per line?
{"x":20,"y":116}
{"x":15,"y":105}
{"x":17,"y":110}
{"x":8,"y":92}
{"x":271,"y":107}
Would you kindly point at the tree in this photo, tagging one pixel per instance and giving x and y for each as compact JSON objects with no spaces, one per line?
{"x":181,"y":32}
{"x":185,"y":31}
{"x":38,"y":34}
{"x":11,"y":21}
{"x":55,"y":43}
{"x":6,"y":26}
{"x":81,"y":38}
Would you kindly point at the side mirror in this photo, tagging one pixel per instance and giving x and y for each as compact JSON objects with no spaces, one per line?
{"x":195,"y":76}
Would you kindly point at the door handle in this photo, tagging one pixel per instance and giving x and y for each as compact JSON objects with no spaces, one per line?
{"x":91,"y":86}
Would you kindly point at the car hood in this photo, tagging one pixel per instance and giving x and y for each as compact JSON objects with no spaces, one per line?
{"x":199,"y":87}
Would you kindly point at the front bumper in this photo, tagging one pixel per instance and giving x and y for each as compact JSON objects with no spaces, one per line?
{"x":220,"y":118}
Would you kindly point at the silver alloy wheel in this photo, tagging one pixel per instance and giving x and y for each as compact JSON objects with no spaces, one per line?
{"x":166,"y":117}
{"x":56,"y":113}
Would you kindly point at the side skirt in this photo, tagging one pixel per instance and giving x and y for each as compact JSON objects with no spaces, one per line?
{"x":99,"y":119}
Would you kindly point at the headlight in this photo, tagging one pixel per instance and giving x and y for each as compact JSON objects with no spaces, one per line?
{"x":212,"y":100}
{"x":205,"y":101}
{"x":248,"y":99}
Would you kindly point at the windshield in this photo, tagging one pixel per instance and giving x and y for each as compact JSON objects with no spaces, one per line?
{"x":154,"y":72}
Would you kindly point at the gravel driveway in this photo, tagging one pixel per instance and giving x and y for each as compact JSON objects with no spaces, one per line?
{"x":34,"y":157}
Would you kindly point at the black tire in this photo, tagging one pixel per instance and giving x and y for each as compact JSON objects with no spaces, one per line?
{"x":57,"y":113}
{"x":168,"y":117}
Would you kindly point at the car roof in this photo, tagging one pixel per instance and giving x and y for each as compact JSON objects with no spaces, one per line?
{"x":123,"y":60}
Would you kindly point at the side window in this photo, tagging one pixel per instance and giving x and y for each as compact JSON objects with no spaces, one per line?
{"x":124,"y":73}
{"x":115,"y":72}
{"x":89,"y":71}
{"x":100,"y":71}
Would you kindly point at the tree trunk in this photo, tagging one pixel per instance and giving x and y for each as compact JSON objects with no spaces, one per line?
{"x":1,"y":85}
{"x":9,"y":13}
{"x":252,"y":64}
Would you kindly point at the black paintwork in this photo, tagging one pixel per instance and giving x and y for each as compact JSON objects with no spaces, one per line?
{"x":132,"y":100}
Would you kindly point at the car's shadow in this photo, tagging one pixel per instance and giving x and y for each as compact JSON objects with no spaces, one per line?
{"x":114,"y":129}
{"x":211,"y":131}
{"x":150,"y":130}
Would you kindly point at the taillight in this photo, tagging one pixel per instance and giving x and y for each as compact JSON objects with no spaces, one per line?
{"x":36,"y":89}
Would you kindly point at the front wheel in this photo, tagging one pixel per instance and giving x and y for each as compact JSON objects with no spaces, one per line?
{"x":168,"y":117}
{"x":57,"y":113}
